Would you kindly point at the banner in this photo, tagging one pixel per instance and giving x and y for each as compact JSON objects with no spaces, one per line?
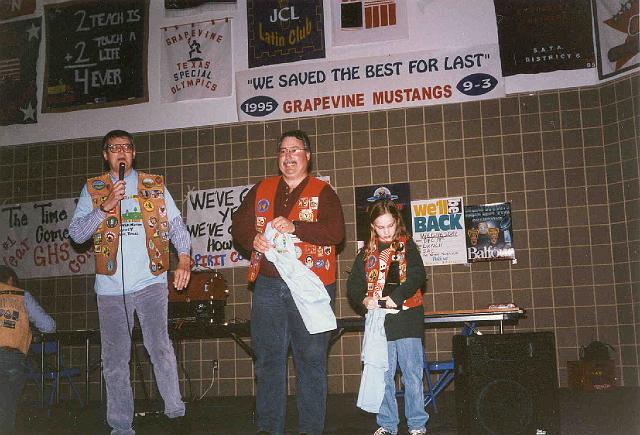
{"x":96,"y":54}
{"x":18,"y":59}
{"x":34,"y":240}
{"x":534,"y":38}
{"x":362,"y":22}
{"x":198,"y":5}
{"x":183,"y":8}
{"x":197,"y":61}
{"x":438,"y":230}
{"x":616,"y":27}
{"x":281,"y":31}
{"x":372,"y":83}
{"x":16,"y":8}
{"x":209,"y":224}
{"x":489,"y":232}
{"x":399,"y":193}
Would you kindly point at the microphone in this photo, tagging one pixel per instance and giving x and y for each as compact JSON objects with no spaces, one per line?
{"x":121,"y":171}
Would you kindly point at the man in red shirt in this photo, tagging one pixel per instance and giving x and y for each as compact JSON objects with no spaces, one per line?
{"x":308,"y":209}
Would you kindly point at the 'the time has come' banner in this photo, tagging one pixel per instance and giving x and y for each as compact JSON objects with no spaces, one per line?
{"x":34,"y":240}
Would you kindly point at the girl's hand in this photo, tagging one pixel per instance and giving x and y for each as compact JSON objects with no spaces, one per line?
{"x":370,"y":303}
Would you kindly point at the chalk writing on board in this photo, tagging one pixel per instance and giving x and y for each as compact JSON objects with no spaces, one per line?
{"x":96,"y":54}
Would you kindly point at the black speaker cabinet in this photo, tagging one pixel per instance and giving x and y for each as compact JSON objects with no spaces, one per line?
{"x":506,"y":384}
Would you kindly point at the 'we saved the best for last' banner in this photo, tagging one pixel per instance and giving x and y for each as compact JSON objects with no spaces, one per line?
{"x":373,"y":83}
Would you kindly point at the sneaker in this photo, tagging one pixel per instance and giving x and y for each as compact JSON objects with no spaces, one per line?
{"x":418,"y":431}
{"x":383,"y":431}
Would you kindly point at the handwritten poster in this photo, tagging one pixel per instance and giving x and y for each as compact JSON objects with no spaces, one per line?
{"x":209,"y":224}
{"x":96,"y":54}
{"x":398,"y":80}
{"x":438,"y":230}
{"x":34,"y":240}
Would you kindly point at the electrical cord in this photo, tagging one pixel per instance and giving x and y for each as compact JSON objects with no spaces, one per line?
{"x":133,"y":349}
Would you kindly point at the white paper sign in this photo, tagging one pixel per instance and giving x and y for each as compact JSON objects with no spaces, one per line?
{"x":34,"y":240}
{"x":209,"y":223}
{"x":438,"y":230}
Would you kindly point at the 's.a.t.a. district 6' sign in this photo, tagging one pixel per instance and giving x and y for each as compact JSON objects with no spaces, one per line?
{"x":438,"y":230}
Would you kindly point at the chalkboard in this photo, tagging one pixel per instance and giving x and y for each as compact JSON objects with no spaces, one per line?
{"x":96,"y":54}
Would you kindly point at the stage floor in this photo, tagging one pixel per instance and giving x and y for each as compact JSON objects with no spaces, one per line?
{"x":612,"y":412}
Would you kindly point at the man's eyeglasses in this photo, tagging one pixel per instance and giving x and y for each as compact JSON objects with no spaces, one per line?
{"x":287,"y":151}
{"x":117,"y":148}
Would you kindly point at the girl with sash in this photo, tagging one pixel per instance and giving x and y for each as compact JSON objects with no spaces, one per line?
{"x":389,"y":272}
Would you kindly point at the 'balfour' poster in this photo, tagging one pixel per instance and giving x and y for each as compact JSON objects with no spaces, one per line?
{"x":489,"y":232}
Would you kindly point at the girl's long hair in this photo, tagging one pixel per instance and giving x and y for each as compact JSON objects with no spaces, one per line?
{"x":376,"y":210}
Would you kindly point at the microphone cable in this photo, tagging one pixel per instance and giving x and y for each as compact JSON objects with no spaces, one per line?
{"x":133,"y":349}
{"x":121,"y":169}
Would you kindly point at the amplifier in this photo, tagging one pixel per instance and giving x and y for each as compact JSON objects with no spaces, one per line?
{"x":506,"y":384}
{"x":203,"y":299}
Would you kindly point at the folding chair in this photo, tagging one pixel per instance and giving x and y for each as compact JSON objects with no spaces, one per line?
{"x":49,"y":372}
{"x":446,"y":369}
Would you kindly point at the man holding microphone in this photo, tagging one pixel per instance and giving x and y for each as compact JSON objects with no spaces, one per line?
{"x":132,"y":217}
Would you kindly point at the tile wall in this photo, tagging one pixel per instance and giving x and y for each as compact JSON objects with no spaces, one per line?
{"x":567,"y":160}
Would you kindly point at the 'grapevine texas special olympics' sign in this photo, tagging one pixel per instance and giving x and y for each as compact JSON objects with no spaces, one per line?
{"x":34,"y":240}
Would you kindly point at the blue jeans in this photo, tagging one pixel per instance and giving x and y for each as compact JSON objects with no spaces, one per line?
{"x":407,"y":352}
{"x":276,"y":324}
{"x":12,"y":378}
{"x":151,"y":305}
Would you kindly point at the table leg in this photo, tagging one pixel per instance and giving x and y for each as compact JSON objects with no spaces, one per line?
{"x":86,"y":374}
{"x":42,"y":342}
{"x":57,"y":371}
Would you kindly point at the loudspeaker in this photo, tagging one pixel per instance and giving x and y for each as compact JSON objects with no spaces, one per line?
{"x":506,"y":384}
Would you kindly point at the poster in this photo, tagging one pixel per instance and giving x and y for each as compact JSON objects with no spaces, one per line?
{"x":394,"y":81}
{"x":534,"y":38}
{"x":281,"y":31}
{"x":399,"y":193}
{"x":18,"y":60}
{"x":489,"y":232}
{"x":34,"y":240}
{"x":197,"y":61}
{"x":438,"y":230}
{"x":209,"y":224}
{"x":96,"y":54}
{"x":368,"y":21}
{"x":616,"y":25}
